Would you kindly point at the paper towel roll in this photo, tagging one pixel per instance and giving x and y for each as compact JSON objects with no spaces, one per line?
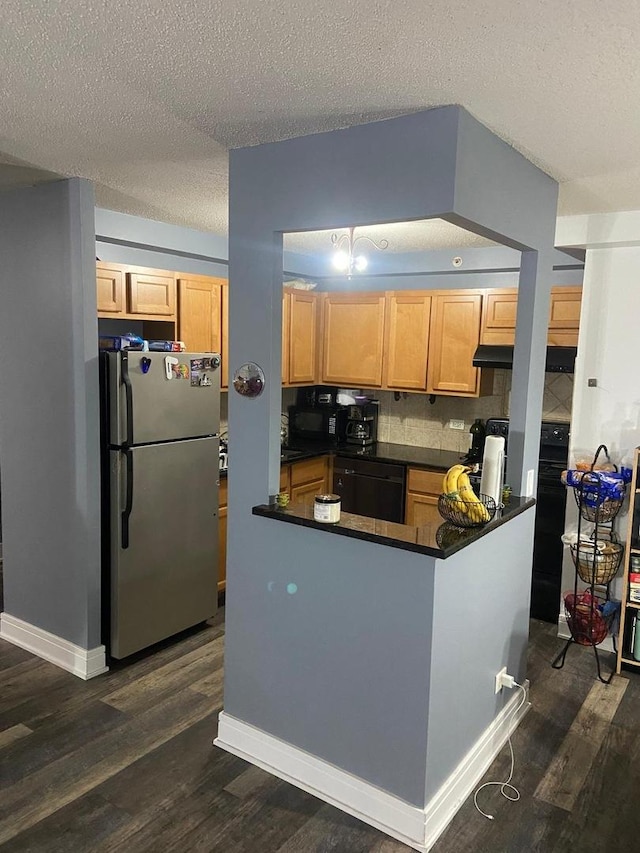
{"x":493,"y":468}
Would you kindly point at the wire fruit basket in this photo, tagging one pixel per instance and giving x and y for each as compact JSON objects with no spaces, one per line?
{"x":467,"y":513}
{"x":592,"y":508}
{"x":597,"y":562}
{"x":587,"y":624}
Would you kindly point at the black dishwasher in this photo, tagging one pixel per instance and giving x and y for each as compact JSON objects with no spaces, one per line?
{"x":374,"y":489}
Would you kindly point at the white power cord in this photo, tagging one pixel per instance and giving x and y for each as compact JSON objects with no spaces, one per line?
{"x":508,"y":791}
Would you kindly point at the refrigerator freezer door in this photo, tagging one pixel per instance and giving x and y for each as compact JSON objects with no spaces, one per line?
{"x":166,"y":579}
{"x":146,"y":406}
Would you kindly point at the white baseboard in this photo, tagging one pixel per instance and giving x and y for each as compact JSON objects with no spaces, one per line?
{"x":85,"y":663}
{"x":416,"y":827}
{"x":564,"y":633}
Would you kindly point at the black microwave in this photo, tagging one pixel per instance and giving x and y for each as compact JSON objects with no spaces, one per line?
{"x":315,"y":423}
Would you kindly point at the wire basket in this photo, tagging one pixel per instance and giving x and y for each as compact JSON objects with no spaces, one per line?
{"x":587,"y":624}
{"x":601,"y":514}
{"x":467,"y":513}
{"x":597,"y":562}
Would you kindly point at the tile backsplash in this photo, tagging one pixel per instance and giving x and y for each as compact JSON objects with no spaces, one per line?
{"x":413,"y":420}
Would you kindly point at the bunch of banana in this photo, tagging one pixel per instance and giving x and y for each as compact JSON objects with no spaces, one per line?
{"x":456,"y":485}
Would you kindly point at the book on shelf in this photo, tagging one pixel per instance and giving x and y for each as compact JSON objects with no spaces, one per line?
{"x":634,"y":587}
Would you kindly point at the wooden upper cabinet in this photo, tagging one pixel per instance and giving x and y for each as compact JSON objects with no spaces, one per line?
{"x":200,"y":304}
{"x":353,"y":339}
{"x":407,"y":339}
{"x":286,"y":319}
{"x":302,"y":338}
{"x":499,"y":309}
{"x":454,"y":337}
{"x":111,"y":288}
{"x":499,"y":316}
{"x":152,"y":292}
{"x":564,"y":317}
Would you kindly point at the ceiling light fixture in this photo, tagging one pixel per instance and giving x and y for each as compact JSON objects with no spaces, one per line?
{"x":344,"y":259}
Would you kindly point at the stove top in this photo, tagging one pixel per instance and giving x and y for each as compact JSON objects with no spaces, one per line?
{"x":554,"y":440}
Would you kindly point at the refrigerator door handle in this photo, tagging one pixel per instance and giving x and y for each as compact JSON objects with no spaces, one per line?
{"x":128,"y":391}
{"x":126,"y":512}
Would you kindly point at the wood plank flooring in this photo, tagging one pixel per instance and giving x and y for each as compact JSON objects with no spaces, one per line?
{"x":125,"y":762}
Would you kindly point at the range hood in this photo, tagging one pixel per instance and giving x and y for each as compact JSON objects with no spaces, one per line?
{"x":559,"y":359}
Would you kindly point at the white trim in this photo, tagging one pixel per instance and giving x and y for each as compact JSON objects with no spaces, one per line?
{"x":416,"y":827}
{"x":565,"y":634}
{"x":85,"y":663}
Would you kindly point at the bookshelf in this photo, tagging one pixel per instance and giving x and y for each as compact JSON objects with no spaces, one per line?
{"x":629,"y":611}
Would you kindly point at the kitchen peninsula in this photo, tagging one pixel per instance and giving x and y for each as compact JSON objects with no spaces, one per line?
{"x":435,"y":537}
{"x":355,"y":668}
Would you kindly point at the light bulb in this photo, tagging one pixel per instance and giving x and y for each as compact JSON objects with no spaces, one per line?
{"x":360,"y":263}
{"x":341,"y":261}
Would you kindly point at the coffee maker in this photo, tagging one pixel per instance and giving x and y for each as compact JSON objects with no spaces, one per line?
{"x":362,"y":424}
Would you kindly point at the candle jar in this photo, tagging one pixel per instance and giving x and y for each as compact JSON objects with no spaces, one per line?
{"x":326,"y":508}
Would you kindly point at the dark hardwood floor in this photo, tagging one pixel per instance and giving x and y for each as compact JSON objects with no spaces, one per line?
{"x":125,"y":762}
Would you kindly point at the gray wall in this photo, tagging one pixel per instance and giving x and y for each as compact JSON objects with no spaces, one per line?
{"x":480,"y":624}
{"x":394,"y":170}
{"x":49,"y":429}
{"x":341,"y":667}
{"x":125,"y":239}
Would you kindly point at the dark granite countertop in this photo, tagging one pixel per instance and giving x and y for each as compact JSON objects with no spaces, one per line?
{"x":403,"y":454}
{"x":436,"y":538}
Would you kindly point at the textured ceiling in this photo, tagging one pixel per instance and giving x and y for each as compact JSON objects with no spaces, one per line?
{"x":401,"y":236}
{"x":145,"y":98}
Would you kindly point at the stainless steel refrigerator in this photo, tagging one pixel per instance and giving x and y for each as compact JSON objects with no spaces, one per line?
{"x":160,"y":433}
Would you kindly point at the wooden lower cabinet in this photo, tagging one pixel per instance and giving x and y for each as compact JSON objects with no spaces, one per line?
{"x":308,"y":479}
{"x":222,"y":535}
{"x":423,"y":490}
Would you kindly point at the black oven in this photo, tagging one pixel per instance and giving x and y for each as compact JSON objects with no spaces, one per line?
{"x":318,"y":423}
{"x":551,"y":496}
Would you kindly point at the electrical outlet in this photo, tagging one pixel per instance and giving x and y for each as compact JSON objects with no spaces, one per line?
{"x":499,"y":675}
{"x":456,"y":424}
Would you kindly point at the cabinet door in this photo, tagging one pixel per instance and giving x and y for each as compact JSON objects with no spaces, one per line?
{"x":419,"y":508}
{"x":407,"y":340}
{"x":224,"y":376}
{"x":310,"y":471}
{"x":564,"y":316}
{"x":286,"y":318}
{"x":454,"y":337}
{"x":200,"y":300}
{"x":499,"y":309}
{"x":284,"y":478}
{"x":302,"y":338}
{"x":423,"y":489}
{"x":353,"y":339}
{"x":152,"y":292}
{"x":305,"y":494}
{"x":110,"y":288}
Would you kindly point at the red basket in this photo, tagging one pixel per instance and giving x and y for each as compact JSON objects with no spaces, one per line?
{"x":587,"y":624}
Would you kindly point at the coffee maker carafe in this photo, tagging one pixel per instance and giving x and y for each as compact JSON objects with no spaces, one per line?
{"x":362,"y":424}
